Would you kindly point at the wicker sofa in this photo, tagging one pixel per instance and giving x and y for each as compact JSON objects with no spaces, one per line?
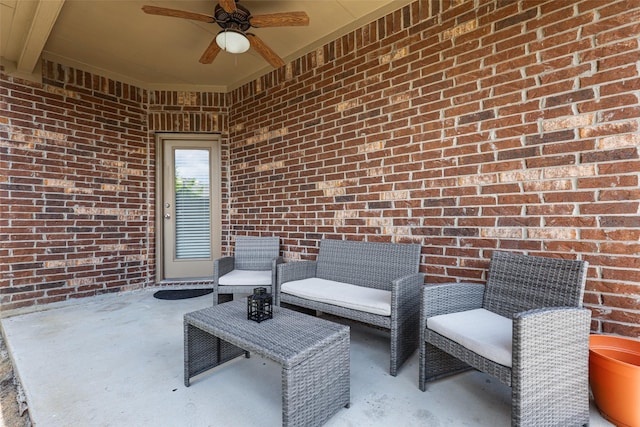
{"x":374,"y":283}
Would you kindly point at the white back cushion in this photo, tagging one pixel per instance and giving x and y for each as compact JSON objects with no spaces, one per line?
{"x":246,"y":278}
{"x":481,"y":331}
{"x":375,"y":301}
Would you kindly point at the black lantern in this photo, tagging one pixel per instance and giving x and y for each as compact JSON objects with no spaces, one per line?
{"x":259,"y":305}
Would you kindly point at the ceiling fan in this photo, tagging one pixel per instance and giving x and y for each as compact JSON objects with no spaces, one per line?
{"x":235,"y":20}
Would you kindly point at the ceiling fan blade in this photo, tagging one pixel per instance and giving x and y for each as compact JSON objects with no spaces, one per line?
{"x":228,"y":5}
{"x":285,"y":19}
{"x":265,"y":51}
{"x":210,"y":53}
{"x":163,"y":11}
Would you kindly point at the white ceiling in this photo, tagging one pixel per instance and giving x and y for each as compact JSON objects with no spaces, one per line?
{"x":115,"y":38}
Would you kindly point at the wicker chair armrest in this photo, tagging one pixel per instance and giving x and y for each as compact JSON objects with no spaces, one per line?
{"x":551,"y":346}
{"x":222,"y":266}
{"x":275,"y":262}
{"x":290,"y":271}
{"x":550,"y":332}
{"x":405,"y":291}
{"x":274,"y":270}
{"x":448,"y":298}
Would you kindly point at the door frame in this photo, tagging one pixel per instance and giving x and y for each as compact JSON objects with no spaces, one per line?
{"x":216,"y":186}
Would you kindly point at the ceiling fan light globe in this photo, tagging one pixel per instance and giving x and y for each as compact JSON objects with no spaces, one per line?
{"x":232,"y":41}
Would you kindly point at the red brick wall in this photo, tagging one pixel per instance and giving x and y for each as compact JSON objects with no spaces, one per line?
{"x":507,"y":126}
{"x":75,"y":193}
{"x":77,"y":188}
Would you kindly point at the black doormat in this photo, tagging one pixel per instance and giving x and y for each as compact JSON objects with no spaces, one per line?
{"x":172,"y":294}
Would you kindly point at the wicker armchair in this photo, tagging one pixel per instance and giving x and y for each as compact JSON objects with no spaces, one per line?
{"x":254,"y":264}
{"x":526,"y":327}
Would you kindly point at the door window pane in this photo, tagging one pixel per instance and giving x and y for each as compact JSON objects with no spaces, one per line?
{"x":193,"y":204}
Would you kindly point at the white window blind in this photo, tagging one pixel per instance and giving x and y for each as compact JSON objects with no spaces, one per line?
{"x":193,"y":204}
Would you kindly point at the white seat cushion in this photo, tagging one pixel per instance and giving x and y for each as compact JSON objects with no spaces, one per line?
{"x":246,"y":278}
{"x":375,"y":301}
{"x":481,"y":331}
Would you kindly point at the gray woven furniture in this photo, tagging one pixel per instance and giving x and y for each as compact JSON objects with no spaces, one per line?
{"x":384,"y":266}
{"x":252,"y":265}
{"x":542,"y":297}
{"x":313,"y":353}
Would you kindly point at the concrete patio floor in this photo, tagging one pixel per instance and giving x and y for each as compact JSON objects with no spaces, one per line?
{"x":117,"y":360}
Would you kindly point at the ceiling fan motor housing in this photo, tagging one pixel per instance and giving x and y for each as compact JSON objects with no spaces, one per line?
{"x":236,"y":20}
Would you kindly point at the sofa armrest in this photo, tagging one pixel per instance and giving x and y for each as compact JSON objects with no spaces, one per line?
{"x":405,"y":317}
{"x":222,"y":266}
{"x":405,"y":292}
{"x":290,"y":271}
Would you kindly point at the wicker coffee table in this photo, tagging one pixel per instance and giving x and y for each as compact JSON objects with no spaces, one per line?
{"x":313,"y":353}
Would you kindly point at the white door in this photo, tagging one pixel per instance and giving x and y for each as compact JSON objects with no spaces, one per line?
{"x":190,"y":205}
